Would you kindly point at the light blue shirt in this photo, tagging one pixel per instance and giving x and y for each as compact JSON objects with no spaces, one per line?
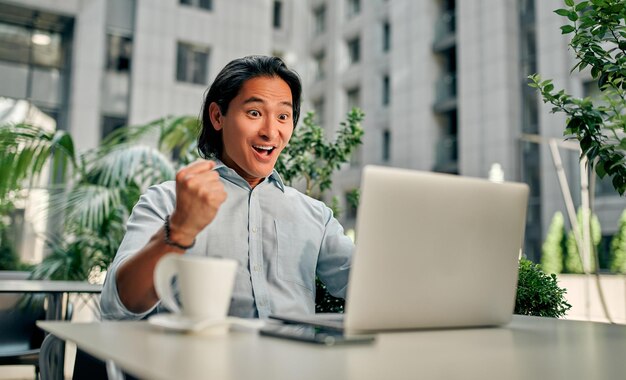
{"x":280,"y":237}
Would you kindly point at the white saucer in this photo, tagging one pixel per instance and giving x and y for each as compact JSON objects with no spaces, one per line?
{"x":181,"y":323}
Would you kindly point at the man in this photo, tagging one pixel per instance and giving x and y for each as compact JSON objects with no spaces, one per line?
{"x":236,"y":206}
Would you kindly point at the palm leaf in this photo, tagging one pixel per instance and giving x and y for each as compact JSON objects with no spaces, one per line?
{"x":180,"y":134}
{"x":127,"y":163}
{"x":90,"y":206}
{"x":132,"y":133}
{"x":24,"y":151}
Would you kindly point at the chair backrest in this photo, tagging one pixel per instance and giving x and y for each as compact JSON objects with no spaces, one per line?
{"x":18,"y":329}
{"x":18,"y":314}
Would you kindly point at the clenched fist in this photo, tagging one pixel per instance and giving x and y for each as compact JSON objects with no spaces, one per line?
{"x":199,"y":195}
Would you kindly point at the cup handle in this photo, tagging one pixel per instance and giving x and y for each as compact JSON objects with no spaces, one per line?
{"x":163,"y":273}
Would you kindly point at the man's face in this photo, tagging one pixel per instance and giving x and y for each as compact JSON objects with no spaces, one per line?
{"x":256,"y":127}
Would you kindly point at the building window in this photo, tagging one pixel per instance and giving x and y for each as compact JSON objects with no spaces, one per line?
{"x":354,"y":50}
{"x":278,"y":13}
{"x":119,"y":52}
{"x":319,"y":14}
{"x":203,"y":4}
{"x":192,"y":63}
{"x":320,"y":61}
{"x":386,"y":145}
{"x":386,"y":90}
{"x":30,"y":46}
{"x":353,"y":98}
{"x":386,"y":36}
{"x":318,"y":107}
{"x":353,"y":8}
{"x":15,"y":43}
{"x":110,"y":124}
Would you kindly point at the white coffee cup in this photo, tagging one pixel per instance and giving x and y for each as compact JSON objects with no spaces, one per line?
{"x":205,"y":285}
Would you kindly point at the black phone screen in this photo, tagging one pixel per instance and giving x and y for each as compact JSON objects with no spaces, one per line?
{"x":313,"y":334}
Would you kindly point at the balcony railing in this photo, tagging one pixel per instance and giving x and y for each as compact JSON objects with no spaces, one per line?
{"x":445,"y":92}
{"x":446,"y":155}
{"x":445,"y":30}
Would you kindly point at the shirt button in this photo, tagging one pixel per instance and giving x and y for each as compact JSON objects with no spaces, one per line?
{"x":257,"y":268}
{"x":254,"y":229}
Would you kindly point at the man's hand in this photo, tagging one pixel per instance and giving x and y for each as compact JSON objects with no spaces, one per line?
{"x":199,"y":195}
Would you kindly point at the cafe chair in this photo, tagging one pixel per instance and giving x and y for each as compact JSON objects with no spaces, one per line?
{"x":20,"y":338}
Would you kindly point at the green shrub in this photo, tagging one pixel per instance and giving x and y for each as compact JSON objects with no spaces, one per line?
{"x":572,"y":257}
{"x":554,"y":247}
{"x":618,"y":247}
{"x":538,"y":294}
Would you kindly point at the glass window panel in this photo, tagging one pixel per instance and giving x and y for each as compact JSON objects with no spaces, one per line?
{"x":386,"y":145}
{"x":320,"y":20}
{"x":206,"y":4}
{"x":47,"y":49}
{"x":119,"y":53}
{"x":354,"y":50}
{"x":192,"y":64}
{"x":320,"y":60}
{"x":14,"y":43}
{"x":278,"y":10}
{"x":46,"y":86}
{"x":353,"y":8}
{"x":200,"y":67}
{"x":14,"y":78}
{"x":386,"y":36}
{"x":354,"y":98}
{"x":386,"y":90}
{"x":111,"y":123}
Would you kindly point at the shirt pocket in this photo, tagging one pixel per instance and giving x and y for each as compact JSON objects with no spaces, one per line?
{"x":297,"y":252}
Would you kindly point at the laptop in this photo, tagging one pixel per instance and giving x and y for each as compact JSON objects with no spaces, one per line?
{"x":432,"y":251}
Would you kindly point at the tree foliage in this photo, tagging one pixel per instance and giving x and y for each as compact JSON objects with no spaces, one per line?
{"x":598,"y":31}
{"x":310,"y":156}
{"x":94,"y":190}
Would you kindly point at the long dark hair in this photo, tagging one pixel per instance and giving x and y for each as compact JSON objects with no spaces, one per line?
{"x":227,"y":85}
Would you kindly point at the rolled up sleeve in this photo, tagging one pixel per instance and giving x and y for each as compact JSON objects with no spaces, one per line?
{"x":146,"y":218}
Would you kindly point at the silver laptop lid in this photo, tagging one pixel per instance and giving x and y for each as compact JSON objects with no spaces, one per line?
{"x":434,"y":251}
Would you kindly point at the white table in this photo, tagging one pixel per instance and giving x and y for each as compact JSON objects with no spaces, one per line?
{"x":528,"y":348}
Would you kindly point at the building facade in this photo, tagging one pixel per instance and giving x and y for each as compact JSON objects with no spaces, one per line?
{"x":443,"y":83}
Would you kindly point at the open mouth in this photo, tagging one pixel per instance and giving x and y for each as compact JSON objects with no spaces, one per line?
{"x":264,"y":149}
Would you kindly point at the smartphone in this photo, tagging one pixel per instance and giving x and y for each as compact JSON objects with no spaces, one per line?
{"x":313,"y":334}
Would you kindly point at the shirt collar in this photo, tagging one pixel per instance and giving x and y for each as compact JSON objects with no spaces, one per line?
{"x":232,"y":175}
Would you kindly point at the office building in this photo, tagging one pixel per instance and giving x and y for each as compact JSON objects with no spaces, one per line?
{"x":442,"y":83}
